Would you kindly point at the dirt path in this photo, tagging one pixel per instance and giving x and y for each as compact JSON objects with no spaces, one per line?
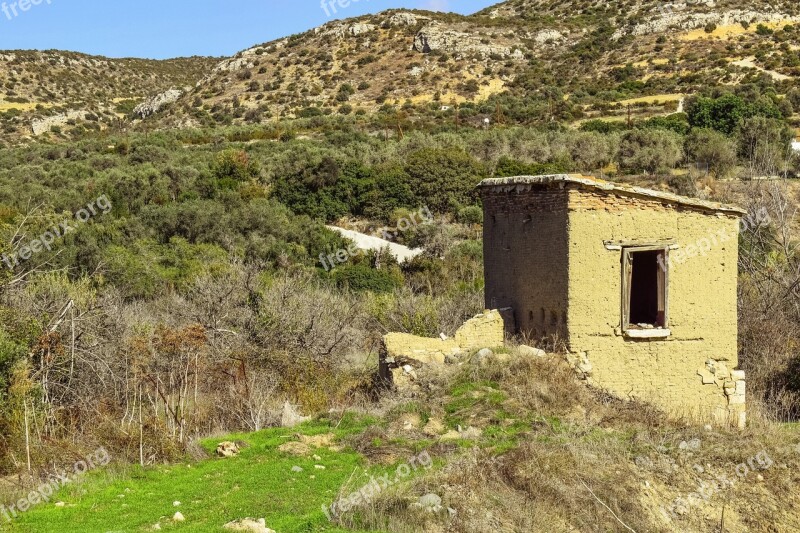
{"x":750,"y":62}
{"x":369,"y":242}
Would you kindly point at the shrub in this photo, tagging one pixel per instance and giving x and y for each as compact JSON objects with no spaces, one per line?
{"x":443,"y":179}
{"x":363,"y":278}
{"x":763,"y":30}
{"x":727,"y":112}
{"x":712,"y":150}
{"x":602,"y":126}
{"x":650,"y":151}
{"x":471,"y":215}
{"x":235,"y":165}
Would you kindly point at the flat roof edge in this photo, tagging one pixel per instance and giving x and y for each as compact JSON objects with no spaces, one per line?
{"x":608,"y":186}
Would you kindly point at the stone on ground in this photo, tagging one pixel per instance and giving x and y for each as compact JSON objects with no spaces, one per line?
{"x":430,"y":502}
{"x":249,"y":524}
{"x":529,"y":351}
{"x":227,"y":449}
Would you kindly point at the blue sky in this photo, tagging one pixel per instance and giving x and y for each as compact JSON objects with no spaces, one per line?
{"x":173,"y":28}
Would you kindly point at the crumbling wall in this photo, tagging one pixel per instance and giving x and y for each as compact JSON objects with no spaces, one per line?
{"x":402,"y":354}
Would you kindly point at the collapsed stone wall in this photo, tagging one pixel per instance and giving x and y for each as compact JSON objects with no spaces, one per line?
{"x":403,"y":355}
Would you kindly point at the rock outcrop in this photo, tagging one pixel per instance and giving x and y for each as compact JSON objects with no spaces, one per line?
{"x":360,"y":28}
{"x":156,"y":103}
{"x":437,"y":37}
{"x":547,"y":36}
{"x":345,"y":30}
{"x":404,"y":18}
{"x":674,"y":18}
{"x":227,"y":449}
{"x":43,"y":125}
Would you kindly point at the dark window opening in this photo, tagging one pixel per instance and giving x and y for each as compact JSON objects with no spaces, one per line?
{"x":645,"y":297}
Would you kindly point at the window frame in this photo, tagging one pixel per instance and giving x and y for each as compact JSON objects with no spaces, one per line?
{"x":626,"y":278}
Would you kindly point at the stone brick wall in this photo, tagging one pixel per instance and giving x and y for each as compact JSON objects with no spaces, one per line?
{"x":525,"y":255}
{"x":402,"y":354}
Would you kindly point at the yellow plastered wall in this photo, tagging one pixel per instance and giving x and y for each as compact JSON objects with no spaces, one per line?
{"x":702,"y":301}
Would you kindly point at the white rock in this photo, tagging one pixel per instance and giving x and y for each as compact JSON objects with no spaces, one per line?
{"x":693,"y":444}
{"x":359,"y":28}
{"x":681,"y":19}
{"x":528,"y":351}
{"x":249,"y":524}
{"x":154,"y":104}
{"x":437,"y":37}
{"x":290,"y":417}
{"x":431,"y":502}
{"x":546,"y":36}
{"x":471,"y":433}
{"x":178,"y":517}
{"x":297,"y":469}
{"x":176,"y":504}
{"x":43,"y":125}
{"x":403,"y":18}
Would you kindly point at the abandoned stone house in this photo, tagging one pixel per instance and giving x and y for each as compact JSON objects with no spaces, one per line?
{"x":639,"y":285}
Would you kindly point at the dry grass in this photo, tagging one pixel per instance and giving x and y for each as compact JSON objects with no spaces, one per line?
{"x":728,"y":31}
{"x":583,"y":462}
{"x":655,"y":99}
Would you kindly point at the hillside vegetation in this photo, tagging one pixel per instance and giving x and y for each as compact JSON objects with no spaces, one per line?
{"x":39,"y":84}
{"x":162,"y":289}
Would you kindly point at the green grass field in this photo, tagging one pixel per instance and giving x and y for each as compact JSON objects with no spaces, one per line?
{"x":258,"y":483}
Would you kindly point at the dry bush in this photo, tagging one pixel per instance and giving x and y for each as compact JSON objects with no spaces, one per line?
{"x":769,"y":301}
{"x":298,"y":314}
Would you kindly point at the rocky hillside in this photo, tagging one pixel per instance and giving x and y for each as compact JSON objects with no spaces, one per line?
{"x":67,"y":92}
{"x":523,"y":59}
